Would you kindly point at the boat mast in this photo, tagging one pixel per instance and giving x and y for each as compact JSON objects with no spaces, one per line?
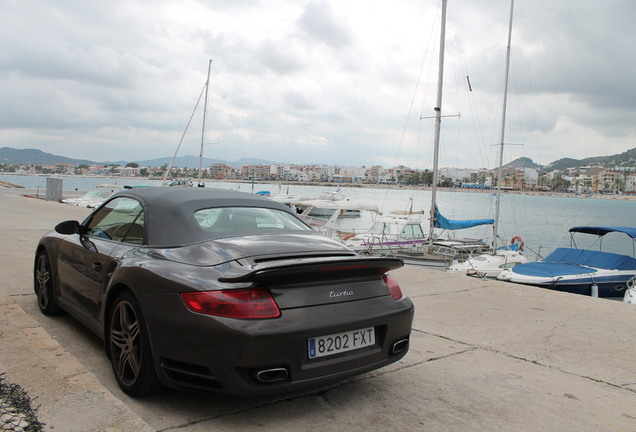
{"x":205,"y":112}
{"x":438,"y":121}
{"x":503,"y":129}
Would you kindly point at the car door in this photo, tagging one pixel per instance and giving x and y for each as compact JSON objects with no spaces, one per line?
{"x":86,"y":261}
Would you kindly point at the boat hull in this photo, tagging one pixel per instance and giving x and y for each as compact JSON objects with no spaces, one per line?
{"x":608,"y":285}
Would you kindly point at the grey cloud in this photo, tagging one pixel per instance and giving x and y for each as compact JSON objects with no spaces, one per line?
{"x":319,"y":22}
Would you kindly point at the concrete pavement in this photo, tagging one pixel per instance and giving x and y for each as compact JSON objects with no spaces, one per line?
{"x":485,"y":355}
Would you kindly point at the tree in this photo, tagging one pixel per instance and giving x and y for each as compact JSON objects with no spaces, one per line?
{"x":132,"y":165}
{"x":618,"y":184}
{"x":426,"y":177}
{"x":559,"y":183}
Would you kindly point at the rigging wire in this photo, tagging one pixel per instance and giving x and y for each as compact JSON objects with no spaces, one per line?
{"x":426,"y":57}
{"x":169,"y":169}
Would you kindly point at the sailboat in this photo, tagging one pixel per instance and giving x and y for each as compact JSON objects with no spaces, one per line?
{"x":435,"y":250}
{"x":188,"y":182}
{"x":500,"y":258}
{"x":403,"y":234}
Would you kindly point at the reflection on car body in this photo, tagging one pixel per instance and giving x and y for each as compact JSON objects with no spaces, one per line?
{"x":209,"y":289}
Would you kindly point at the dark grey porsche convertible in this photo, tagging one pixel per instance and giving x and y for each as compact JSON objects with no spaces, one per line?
{"x":211,"y":289}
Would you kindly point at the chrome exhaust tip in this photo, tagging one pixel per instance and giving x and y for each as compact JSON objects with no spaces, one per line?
{"x":400,"y":346}
{"x":272,"y":375}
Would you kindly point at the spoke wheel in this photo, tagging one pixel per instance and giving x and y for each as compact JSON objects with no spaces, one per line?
{"x":129,"y":349}
{"x":43,"y":284}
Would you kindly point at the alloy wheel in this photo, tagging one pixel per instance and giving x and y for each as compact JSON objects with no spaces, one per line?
{"x":43,"y":278}
{"x":125,"y":343}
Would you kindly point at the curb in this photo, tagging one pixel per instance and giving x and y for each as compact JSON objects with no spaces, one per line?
{"x":67,"y":397}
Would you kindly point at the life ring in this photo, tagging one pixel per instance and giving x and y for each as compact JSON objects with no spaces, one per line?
{"x":517,"y":240}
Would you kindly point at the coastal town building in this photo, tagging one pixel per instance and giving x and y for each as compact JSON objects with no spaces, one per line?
{"x":580,"y":180}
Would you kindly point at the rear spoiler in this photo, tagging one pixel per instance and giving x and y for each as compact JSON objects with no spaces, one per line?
{"x":316,"y":267}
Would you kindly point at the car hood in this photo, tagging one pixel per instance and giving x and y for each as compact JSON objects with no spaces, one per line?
{"x":253,"y":247}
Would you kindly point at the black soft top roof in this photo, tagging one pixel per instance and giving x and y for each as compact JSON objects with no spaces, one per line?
{"x":169,"y":212}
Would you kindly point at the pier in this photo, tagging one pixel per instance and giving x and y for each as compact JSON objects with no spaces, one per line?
{"x":484,"y":356}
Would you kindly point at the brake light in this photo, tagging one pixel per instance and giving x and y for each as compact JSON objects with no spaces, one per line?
{"x":393,"y":286}
{"x":243,"y":303}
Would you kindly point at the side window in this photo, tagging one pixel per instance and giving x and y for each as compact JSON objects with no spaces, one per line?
{"x":413,"y":232}
{"x":119,"y":220}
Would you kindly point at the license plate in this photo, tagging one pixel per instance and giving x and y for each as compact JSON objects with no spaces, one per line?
{"x":341,"y":342}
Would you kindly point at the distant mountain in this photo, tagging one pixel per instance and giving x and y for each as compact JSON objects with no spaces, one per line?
{"x":13,"y":156}
{"x":627,"y":158}
{"x":191,"y":161}
{"x":523,"y":162}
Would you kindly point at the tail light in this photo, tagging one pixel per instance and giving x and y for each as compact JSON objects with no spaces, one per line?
{"x":393,"y":286}
{"x":243,"y":303}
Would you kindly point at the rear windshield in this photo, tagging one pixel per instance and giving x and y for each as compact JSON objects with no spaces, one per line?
{"x":236,"y":219}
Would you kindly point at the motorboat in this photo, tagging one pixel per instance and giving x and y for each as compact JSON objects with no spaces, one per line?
{"x":94,"y":198}
{"x":581,"y":271}
{"x":490,"y":265}
{"x":338,"y":209}
{"x":323,"y":207}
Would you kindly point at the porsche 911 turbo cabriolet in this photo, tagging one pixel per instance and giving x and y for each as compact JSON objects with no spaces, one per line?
{"x":211,"y":289}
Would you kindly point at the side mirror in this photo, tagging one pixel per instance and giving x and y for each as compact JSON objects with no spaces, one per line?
{"x":68,"y":227}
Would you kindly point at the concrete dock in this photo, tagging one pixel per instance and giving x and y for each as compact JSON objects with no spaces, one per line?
{"x":485,"y":356}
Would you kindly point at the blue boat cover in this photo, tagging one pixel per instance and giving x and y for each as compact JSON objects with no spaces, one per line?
{"x":550,"y":270}
{"x":598,"y":259}
{"x":567,"y":261}
{"x":601,"y":231}
{"x":450,"y":224}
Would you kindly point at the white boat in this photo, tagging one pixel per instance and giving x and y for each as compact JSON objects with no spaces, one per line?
{"x":92,"y":199}
{"x":499,"y":258}
{"x":332,"y":226}
{"x":581,"y":271}
{"x":388,"y":236}
{"x":489,"y":265}
{"x":321,"y":207}
{"x":405,"y":237}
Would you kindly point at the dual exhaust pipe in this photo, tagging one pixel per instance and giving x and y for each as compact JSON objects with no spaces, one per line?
{"x":279,"y":374}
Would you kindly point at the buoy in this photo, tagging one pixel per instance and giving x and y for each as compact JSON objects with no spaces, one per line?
{"x":594,"y":290}
{"x":517,"y":240}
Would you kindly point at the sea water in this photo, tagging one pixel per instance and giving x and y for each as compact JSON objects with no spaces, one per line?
{"x":542,"y":221}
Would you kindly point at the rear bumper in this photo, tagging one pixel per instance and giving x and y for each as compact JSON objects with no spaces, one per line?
{"x":228,"y":355}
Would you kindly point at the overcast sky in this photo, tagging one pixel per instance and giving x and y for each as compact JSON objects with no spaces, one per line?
{"x":326,"y":81}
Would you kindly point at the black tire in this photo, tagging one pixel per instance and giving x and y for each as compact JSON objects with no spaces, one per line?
{"x":44,"y":284}
{"x":129,"y":348}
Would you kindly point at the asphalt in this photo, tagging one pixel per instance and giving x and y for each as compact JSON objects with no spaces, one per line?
{"x":485,"y":355}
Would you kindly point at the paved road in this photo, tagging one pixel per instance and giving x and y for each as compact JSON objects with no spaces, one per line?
{"x":485,"y":355}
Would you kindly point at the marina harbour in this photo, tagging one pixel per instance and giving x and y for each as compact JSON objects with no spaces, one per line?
{"x":542,"y":221}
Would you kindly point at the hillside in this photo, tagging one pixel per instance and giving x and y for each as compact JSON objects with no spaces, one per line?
{"x":13,"y":156}
{"x":627,"y":158}
{"x":523,"y":162}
